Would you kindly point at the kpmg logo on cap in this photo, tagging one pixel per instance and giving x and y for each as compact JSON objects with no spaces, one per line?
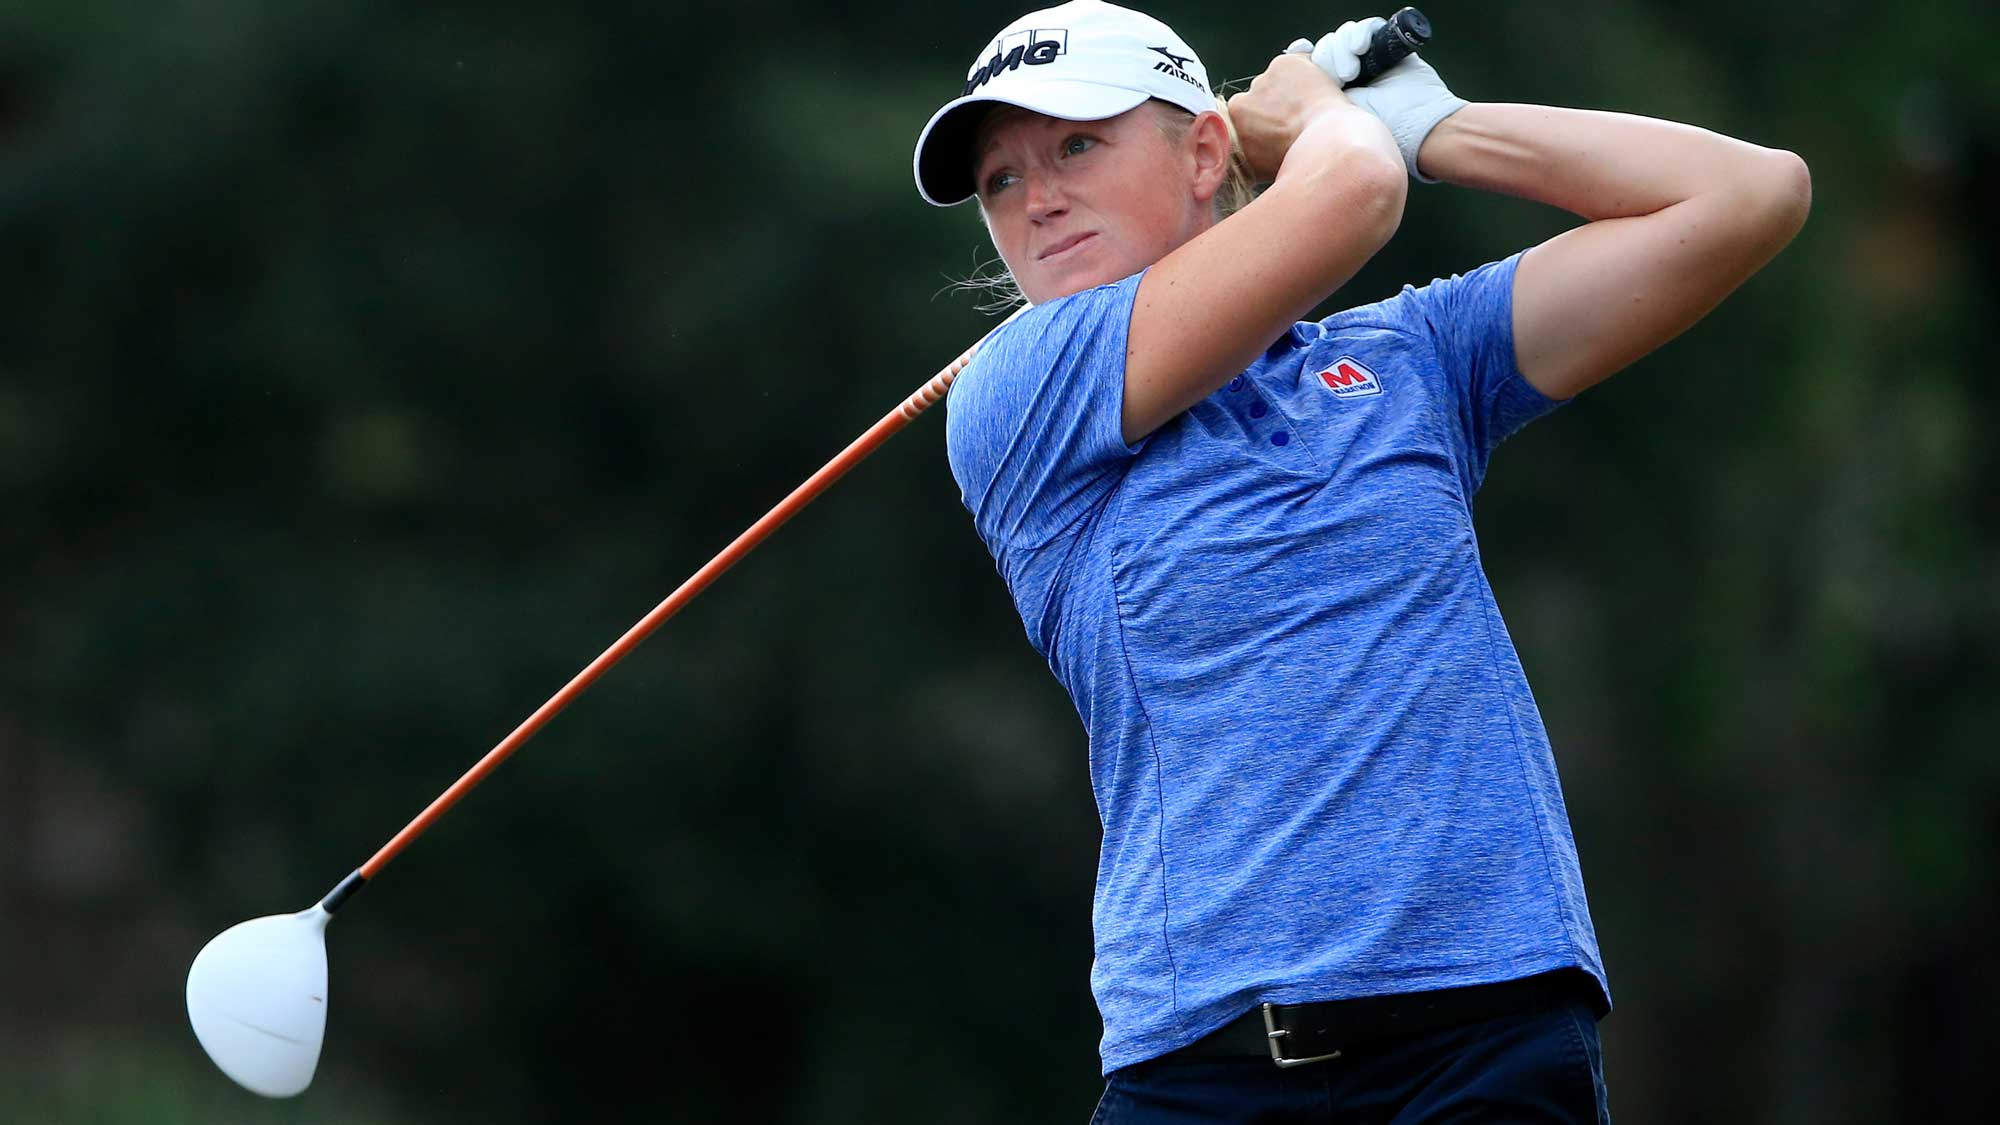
{"x":1037,"y":47}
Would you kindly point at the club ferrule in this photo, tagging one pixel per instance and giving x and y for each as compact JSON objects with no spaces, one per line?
{"x":343,"y":892}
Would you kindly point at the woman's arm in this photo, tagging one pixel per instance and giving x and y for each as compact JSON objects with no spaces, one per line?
{"x":1679,"y":217}
{"x":1208,"y":309}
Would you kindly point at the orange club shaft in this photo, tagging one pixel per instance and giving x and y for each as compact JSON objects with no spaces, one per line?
{"x":923,"y":398}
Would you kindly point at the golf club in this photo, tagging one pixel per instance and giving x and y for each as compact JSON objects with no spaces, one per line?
{"x":257,"y":992}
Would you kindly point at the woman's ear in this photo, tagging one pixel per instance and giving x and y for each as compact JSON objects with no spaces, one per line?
{"x":1209,"y":148}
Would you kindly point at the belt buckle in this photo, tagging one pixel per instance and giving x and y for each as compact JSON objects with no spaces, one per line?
{"x":1273,"y":1033}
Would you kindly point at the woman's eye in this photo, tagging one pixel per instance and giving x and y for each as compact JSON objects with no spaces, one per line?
{"x":1075,"y":145}
{"x":997,"y":181}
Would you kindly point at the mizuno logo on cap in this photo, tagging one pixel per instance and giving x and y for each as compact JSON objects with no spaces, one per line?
{"x":1173,"y":66}
{"x":1037,"y":47}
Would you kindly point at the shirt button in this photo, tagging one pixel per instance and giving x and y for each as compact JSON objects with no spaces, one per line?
{"x":1236,"y":384}
{"x":1280,"y":438}
{"x":1258,"y":409}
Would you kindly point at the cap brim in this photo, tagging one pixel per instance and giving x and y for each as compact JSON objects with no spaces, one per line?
{"x":944,"y":149}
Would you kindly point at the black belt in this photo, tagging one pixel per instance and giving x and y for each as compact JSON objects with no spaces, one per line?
{"x":1294,"y":1034}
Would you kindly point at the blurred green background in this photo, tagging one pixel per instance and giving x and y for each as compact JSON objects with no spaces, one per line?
{"x":368,"y":367}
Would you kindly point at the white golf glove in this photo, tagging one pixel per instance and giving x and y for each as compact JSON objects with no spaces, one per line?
{"x":1409,"y":97}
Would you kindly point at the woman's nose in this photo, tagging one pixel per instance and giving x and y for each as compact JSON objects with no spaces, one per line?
{"x":1045,"y":196}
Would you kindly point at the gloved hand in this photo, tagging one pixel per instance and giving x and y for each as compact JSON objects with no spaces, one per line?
{"x":1409,"y":97}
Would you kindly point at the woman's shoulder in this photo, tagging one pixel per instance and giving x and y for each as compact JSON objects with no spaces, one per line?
{"x":1087,"y":326}
{"x":1098,"y":308}
{"x":1392,"y":314}
{"x":1417,"y":308}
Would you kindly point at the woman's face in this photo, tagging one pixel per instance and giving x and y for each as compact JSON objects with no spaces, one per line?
{"x":1072,"y":204}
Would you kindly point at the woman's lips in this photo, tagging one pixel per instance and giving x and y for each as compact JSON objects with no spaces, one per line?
{"x":1066,"y":245}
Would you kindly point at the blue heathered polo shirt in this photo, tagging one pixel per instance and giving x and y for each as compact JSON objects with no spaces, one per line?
{"x":1319,"y":768}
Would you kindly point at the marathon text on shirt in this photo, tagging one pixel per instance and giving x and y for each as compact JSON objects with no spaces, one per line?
{"x":1349,"y":378}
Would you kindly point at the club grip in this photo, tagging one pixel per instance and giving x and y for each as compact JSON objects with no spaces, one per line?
{"x":1403,"y":35}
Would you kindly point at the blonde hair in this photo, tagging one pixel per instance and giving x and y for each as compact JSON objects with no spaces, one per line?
{"x":995,"y":282}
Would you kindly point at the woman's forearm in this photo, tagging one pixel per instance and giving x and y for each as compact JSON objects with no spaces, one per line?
{"x":1597,"y":164}
{"x":1679,"y":217}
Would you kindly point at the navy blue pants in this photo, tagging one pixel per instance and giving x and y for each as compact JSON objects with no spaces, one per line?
{"x":1540,"y":1066}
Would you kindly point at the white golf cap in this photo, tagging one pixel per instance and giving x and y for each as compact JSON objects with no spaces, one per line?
{"x":1081,"y":61}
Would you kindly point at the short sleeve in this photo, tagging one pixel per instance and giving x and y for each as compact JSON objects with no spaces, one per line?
{"x":1470,"y":322}
{"x":1034,"y":425}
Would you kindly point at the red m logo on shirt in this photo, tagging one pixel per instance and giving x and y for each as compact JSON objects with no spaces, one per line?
{"x":1347,"y":378}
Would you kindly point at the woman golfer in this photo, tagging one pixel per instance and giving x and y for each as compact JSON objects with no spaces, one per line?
{"x":1337,"y":880}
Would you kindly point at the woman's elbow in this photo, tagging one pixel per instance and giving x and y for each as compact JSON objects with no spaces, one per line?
{"x":1380,"y":189}
{"x":1783,"y":190}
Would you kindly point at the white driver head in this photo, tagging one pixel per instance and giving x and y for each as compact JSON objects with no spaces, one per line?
{"x":257,"y":998}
